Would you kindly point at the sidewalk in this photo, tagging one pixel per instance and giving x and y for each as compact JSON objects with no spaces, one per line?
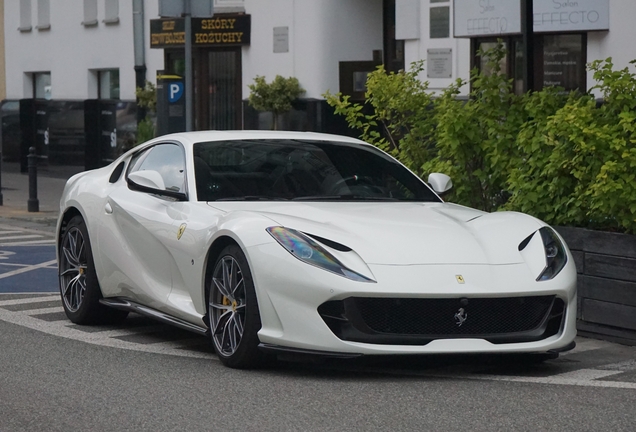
{"x":15,"y":193}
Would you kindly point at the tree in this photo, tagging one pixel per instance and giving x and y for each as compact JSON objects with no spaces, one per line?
{"x":275,"y":97}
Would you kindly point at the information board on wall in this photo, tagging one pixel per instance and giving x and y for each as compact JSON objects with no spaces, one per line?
{"x":439,"y":63}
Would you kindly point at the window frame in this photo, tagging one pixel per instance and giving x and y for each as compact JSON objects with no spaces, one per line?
{"x":111,"y":12}
{"x":163,"y":194}
{"x":538,"y":67}
{"x":44,"y":15}
{"x":90,"y":13}
{"x":25,"y":16}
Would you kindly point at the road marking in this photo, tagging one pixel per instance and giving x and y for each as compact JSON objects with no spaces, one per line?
{"x":30,"y":243}
{"x":64,"y":329}
{"x":587,"y":345}
{"x":10,"y":236}
{"x":27,"y":300}
{"x":34,"y":312}
{"x":27,"y":269}
{"x":6,"y":254}
{"x":186,"y":347}
{"x":20,"y":237}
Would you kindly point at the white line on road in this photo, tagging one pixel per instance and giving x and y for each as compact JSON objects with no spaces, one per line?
{"x":30,"y":236}
{"x":27,"y":269}
{"x":30,"y":243}
{"x":28,"y":300}
{"x":61,"y":329}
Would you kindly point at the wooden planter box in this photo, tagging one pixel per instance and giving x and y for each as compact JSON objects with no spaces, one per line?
{"x":606,"y":267}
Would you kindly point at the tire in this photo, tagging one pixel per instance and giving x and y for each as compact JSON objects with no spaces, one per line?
{"x":79,"y":287}
{"x":233,"y":313}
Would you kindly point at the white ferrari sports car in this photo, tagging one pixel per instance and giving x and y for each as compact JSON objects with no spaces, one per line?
{"x":290,"y":242}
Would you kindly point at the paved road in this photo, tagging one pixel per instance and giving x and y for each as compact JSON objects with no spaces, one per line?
{"x":141,"y":375}
{"x":27,"y":260}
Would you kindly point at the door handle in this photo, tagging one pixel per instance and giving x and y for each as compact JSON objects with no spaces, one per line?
{"x":108,"y":208}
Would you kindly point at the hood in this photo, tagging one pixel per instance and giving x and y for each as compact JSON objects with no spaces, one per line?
{"x":403,"y":233}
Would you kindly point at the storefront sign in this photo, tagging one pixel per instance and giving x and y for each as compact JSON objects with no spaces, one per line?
{"x":567,"y":15}
{"x":478,"y":18}
{"x":439,"y":63}
{"x":474,"y":18}
{"x":222,"y":30}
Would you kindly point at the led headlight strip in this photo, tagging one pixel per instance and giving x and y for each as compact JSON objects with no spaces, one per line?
{"x":309,"y":251}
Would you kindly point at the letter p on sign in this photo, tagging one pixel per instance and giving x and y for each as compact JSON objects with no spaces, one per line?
{"x":175,"y":90}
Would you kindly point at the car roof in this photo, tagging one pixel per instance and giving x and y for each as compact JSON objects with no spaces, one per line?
{"x":205,"y":136}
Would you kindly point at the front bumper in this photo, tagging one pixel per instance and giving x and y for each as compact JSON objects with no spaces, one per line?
{"x":291,"y":292}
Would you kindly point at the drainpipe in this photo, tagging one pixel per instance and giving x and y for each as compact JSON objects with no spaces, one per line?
{"x":140,"y":54}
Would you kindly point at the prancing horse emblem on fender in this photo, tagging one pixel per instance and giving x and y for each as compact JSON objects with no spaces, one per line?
{"x":460,"y":279}
{"x":181,"y":231}
{"x":460,"y":317}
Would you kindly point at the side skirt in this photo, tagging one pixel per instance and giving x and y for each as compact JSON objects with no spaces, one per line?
{"x":130,"y":306}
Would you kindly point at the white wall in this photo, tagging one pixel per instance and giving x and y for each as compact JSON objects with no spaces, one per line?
{"x":321,"y":34}
{"x":619,"y":43}
{"x":70,"y":50}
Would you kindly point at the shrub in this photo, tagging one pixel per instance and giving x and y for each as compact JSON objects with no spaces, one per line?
{"x":146,"y":99}
{"x":561,"y":157}
{"x":276,"y":97}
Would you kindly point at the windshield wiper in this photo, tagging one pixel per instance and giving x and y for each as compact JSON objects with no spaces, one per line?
{"x":252,"y":198}
{"x":347,"y":197}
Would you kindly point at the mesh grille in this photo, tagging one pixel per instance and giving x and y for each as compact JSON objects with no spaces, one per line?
{"x":483,"y":316}
{"x":418,"y":320}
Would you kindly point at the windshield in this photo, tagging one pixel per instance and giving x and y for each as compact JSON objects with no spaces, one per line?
{"x":302,"y":170}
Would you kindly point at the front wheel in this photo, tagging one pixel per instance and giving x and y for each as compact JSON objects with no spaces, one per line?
{"x":233,"y":311}
{"x":79,"y":286}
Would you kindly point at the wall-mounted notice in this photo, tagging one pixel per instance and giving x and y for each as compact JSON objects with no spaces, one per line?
{"x":439,"y":63}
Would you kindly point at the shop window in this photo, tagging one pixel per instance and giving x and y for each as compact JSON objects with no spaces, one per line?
{"x":559,"y":60}
{"x":42,"y":85}
{"x":25,"y":16}
{"x":563,"y":59}
{"x":44,"y":15}
{"x":108,"y":84}
{"x":439,"y":22}
{"x":90,"y":13}
{"x":111,"y":11}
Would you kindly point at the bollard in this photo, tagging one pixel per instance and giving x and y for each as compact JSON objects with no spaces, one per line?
{"x":33,"y":203}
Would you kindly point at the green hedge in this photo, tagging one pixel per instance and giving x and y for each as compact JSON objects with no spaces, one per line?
{"x":562,"y":157}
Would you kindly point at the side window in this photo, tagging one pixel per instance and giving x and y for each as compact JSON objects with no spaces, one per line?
{"x":168,"y":160}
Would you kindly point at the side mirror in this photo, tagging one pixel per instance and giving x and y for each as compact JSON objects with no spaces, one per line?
{"x":441,"y":183}
{"x":148,"y":178}
{"x":150,"y":181}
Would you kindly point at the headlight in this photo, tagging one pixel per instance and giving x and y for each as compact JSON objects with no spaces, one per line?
{"x":310,"y":252}
{"x":555,"y":254}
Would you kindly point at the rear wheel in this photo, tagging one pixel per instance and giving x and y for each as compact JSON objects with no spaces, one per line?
{"x":233,"y":311}
{"x":79,"y":286}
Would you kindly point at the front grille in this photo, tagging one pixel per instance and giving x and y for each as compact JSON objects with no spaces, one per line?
{"x":420,"y":320}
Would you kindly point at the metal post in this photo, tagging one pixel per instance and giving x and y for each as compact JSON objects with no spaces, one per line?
{"x":33,"y":203}
{"x":188,"y":66}
{"x":527,"y":28}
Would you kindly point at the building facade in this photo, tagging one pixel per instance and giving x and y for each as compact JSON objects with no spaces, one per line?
{"x":567,"y":36}
{"x":61,"y":54}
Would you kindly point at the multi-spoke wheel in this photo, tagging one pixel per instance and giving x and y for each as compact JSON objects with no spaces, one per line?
{"x":78,"y":281}
{"x":233,"y":310}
